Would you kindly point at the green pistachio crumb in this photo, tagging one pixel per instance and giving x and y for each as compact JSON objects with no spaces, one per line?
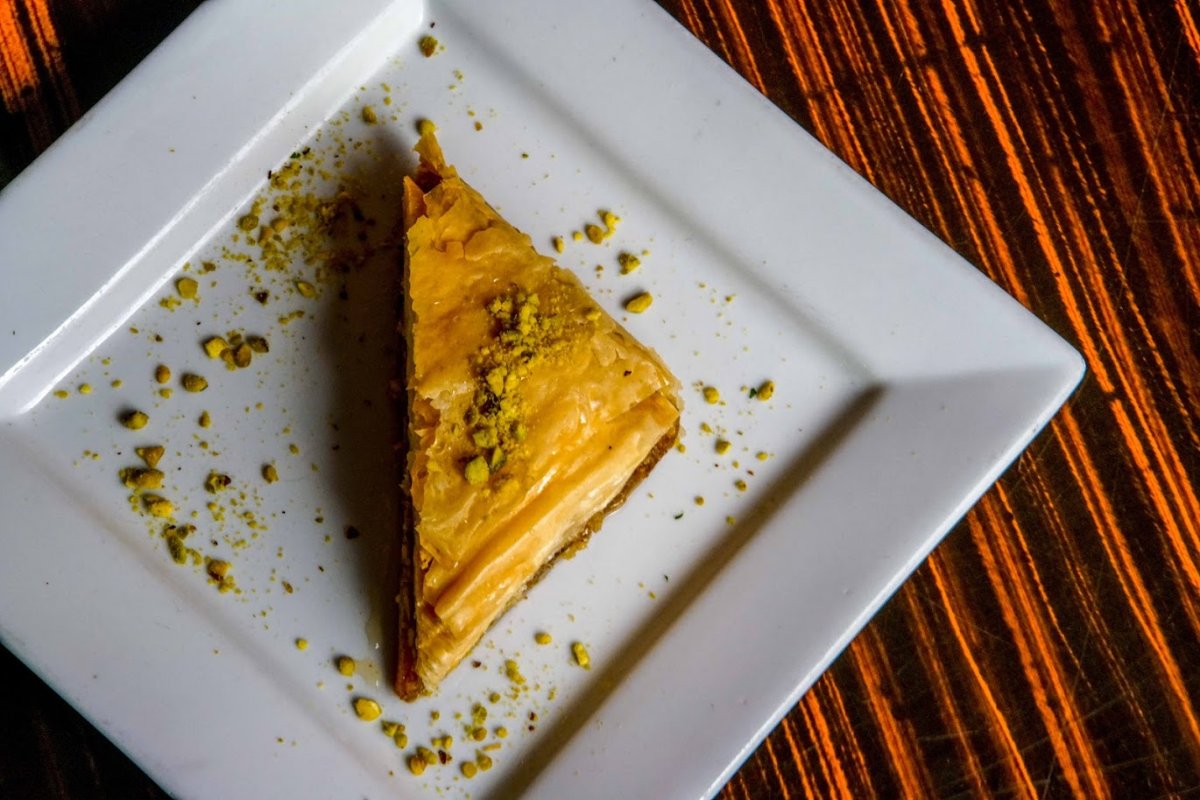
{"x":194,"y":383}
{"x":134,"y":420}
{"x":639,"y":303}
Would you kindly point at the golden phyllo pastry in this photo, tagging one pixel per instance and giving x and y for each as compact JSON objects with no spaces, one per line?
{"x":532,"y":414}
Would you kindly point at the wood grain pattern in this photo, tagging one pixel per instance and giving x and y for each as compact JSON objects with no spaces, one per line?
{"x":1051,"y":646}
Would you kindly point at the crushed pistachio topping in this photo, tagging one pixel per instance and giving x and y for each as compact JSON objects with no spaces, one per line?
{"x":426,"y":127}
{"x":248,"y":222}
{"x":541,"y":637}
{"x":162,"y":373}
{"x":85,"y":388}
{"x":557,"y":241}
{"x":525,"y":335}
{"x":62,"y":394}
{"x":134,"y":420}
{"x":711,"y":395}
{"x":429,"y":45}
{"x":151,"y":455}
{"x":137,"y":478}
{"x":766,"y":390}
{"x":469,"y":770}
{"x":367,"y":709}
{"x":270,"y":475}
{"x":501,"y":732}
{"x":194,"y":383}
{"x":302,"y":644}
{"x":369,"y":116}
{"x":761,"y":455}
{"x":205,"y":419}
{"x":582,"y":658}
{"x":740,"y":484}
{"x":345,"y":665}
{"x":187,"y":288}
{"x":629,"y":262}
{"x":476,"y":472}
{"x":306,"y":289}
{"x":416,"y":765}
{"x":722,"y":446}
{"x":639,"y":303}
{"x":484,"y":761}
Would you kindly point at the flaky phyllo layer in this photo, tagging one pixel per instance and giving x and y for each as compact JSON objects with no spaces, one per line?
{"x":531,"y":413}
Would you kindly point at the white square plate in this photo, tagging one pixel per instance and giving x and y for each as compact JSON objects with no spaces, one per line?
{"x":906,"y":383}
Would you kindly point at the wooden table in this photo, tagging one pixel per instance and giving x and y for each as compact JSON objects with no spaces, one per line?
{"x":1051,"y":646}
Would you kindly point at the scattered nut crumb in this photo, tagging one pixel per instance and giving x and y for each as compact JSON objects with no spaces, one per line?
{"x":215,"y":346}
{"x":639,"y":303}
{"x":150,"y":455}
{"x":162,"y":373}
{"x":367,"y":709}
{"x":194,"y":383}
{"x":158,"y":506}
{"x":216,"y":482}
{"x":711,"y":395}
{"x":582,"y":658}
{"x":136,"y":478}
{"x":187,"y":288}
{"x":134,"y":420}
